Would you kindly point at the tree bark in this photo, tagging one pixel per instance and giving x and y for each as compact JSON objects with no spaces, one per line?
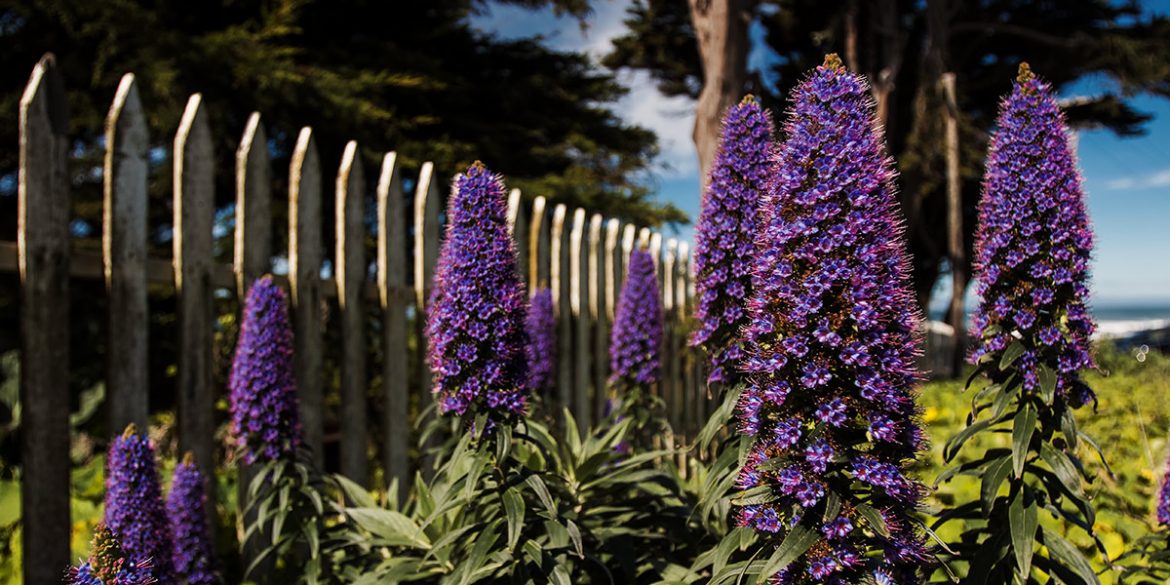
{"x":721,"y":28}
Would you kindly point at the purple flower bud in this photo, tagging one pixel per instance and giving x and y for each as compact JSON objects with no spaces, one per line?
{"x":637,"y":327}
{"x":187,"y":510}
{"x":262,"y":384}
{"x":134,"y":507}
{"x":831,"y":284}
{"x":542,"y":343}
{"x":1034,"y":231}
{"x":478,"y":306}
{"x":724,"y":234}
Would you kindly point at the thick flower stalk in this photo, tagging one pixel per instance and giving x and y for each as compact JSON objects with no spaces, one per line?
{"x":1032,"y":330}
{"x":193,"y":554}
{"x":134,"y":507}
{"x":263,"y":387}
{"x":542,"y":343}
{"x":829,"y":399}
{"x":477,"y":310}
{"x":637,"y":329}
{"x":725,"y":236}
{"x":1033,"y":246}
{"x":108,"y":564}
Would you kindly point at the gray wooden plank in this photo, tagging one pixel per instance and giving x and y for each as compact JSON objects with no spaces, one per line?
{"x":598,"y":266}
{"x":304,"y":276}
{"x":350,"y":276}
{"x":560,"y":286}
{"x":582,"y":322}
{"x":518,"y":227}
{"x":393,"y":296}
{"x":194,"y":210}
{"x":538,"y":246}
{"x":253,"y":238}
{"x":124,"y":254}
{"x":43,"y":228}
{"x":427,"y":203}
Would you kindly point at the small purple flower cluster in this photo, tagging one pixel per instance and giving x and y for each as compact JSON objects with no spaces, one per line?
{"x":263,"y":387}
{"x":831,"y":345}
{"x":542,"y":343}
{"x":637,"y":328}
{"x":134,"y":510}
{"x":187,"y":511}
{"x":1164,"y":499}
{"x":477,"y":310}
{"x":724,"y":237}
{"x":108,"y":564}
{"x":1033,"y":245}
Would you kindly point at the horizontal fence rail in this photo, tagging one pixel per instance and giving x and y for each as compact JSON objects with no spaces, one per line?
{"x":581,"y":256}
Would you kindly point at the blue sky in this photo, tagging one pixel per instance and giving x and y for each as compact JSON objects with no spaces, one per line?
{"x":1127,"y":179}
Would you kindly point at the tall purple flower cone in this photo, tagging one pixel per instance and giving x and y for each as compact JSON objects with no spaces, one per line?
{"x":829,"y":399}
{"x":263,"y":387}
{"x":725,"y":236}
{"x":477,"y":310}
{"x":1033,"y":245}
{"x":542,"y":343}
{"x":1164,"y":499}
{"x":193,"y":553}
{"x":109,"y":564}
{"x":134,"y":507}
{"x":637,"y":329}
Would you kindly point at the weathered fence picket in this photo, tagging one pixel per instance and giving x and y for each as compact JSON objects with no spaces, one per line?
{"x":393,"y":296}
{"x":124,"y":176}
{"x":43,"y":221}
{"x":194,"y":210}
{"x":581,"y":256}
{"x":304,"y":277}
{"x":350,"y":276}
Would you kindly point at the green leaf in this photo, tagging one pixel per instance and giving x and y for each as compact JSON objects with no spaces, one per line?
{"x":355,"y":493}
{"x":719,"y":418}
{"x":1011,"y":354}
{"x":761,"y":494}
{"x":1047,"y":383}
{"x":393,"y":527}
{"x":795,"y":543}
{"x":1063,"y":552}
{"x":541,"y":490}
{"x":484,"y":542}
{"x":952,"y":446}
{"x":514,"y":509}
{"x":1022,"y":429}
{"x":726,"y":546}
{"x":1063,"y":468}
{"x":874,"y":518}
{"x":993,"y":477}
{"x":575,"y":537}
{"x":1022,"y":522}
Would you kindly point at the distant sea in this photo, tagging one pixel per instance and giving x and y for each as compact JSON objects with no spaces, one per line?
{"x":1113,"y":320}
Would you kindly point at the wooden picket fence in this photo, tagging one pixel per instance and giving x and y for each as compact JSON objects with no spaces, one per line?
{"x":581,"y":256}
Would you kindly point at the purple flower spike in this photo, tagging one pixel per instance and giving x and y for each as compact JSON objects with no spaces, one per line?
{"x":477,"y":310}
{"x":1164,"y":499}
{"x":542,"y":343}
{"x":725,"y":236}
{"x":263,"y":387}
{"x":831,"y":344}
{"x":187,"y":510}
{"x":1033,"y":245}
{"x":108,"y":564}
{"x":134,"y":507}
{"x":637,"y":327}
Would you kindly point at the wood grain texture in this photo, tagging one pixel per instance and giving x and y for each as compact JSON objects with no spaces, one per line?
{"x":124,"y":253}
{"x":582,"y":321}
{"x":598,"y":266}
{"x":350,"y":267}
{"x":393,"y":299}
{"x":194,"y":210}
{"x":518,"y":227}
{"x":538,"y":247}
{"x":43,"y":232}
{"x":304,"y":277}
{"x":253,"y":238}
{"x":560,"y":285}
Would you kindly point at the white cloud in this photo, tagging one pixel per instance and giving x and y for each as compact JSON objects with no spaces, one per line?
{"x":671,"y":118}
{"x":1150,"y":181}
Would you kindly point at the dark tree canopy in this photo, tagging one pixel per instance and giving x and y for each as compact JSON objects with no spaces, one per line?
{"x":415,"y":77}
{"x":893,"y":43}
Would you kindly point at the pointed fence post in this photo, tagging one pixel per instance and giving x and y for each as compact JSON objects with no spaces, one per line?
{"x":560,"y":285}
{"x":393,"y":295}
{"x":427,"y":200}
{"x":304,"y":277}
{"x":194,"y":210}
{"x":43,"y":228}
{"x":253,"y":249}
{"x":124,"y":256}
{"x":350,"y":277}
{"x":538,"y":245}
{"x":582,"y":327}
{"x":598,"y":312}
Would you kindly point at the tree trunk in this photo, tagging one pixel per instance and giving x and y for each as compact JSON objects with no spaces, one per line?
{"x":721,"y":28}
